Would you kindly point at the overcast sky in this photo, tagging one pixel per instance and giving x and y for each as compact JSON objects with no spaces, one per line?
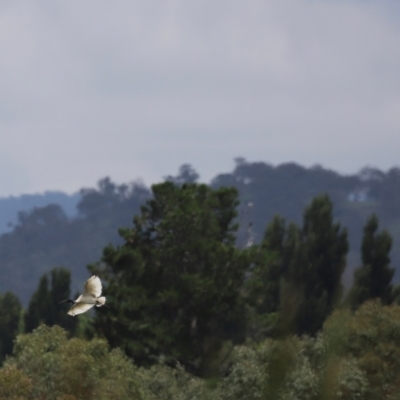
{"x":133,"y":89}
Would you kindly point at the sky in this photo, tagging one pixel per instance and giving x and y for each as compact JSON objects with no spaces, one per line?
{"x":133,"y":89}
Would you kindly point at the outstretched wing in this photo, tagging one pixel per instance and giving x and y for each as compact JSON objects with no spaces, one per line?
{"x":92,"y":287}
{"x":79,"y":308}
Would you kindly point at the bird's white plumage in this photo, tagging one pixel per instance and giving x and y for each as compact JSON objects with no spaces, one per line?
{"x":89,"y":298}
{"x":92,"y":287}
{"x":79,"y":308}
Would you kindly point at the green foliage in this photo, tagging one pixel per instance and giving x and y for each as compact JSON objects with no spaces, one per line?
{"x":45,"y":237}
{"x":14,"y":384}
{"x":164,"y":383}
{"x":325,"y":248}
{"x":264,"y":285}
{"x":292,"y":369}
{"x":297,"y":271}
{"x":356,"y":356}
{"x":343,"y":379}
{"x":373,"y":279}
{"x":175,"y":284}
{"x":10,"y":315}
{"x":248,"y":373}
{"x":58,"y":368}
{"x":371,"y":337}
{"x":274,"y":369}
{"x":44,"y":305}
{"x":182,"y":297}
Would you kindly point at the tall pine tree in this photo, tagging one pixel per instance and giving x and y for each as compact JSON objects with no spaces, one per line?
{"x":297,"y":271}
{"x":373,"y":278}
{"x":262,"y":289}
{"x":263,"y":286}
{"x":326,"y":247}
{"x":10,"y":316}
{"x":174,"y":285}
{"x":315,"y":266}
{"x":44,"y":305}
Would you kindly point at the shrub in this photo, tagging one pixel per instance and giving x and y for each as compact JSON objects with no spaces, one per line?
{"x":371,"y":338}
{"x":80,"y":369}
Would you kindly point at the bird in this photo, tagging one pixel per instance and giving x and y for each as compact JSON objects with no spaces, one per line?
{"x":89,"y":298}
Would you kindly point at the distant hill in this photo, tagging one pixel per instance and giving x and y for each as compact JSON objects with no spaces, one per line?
{"x":287,"y":189}
{"x":10,"y":206}
{"x":71,"y":231}
{"x":46,"y":237}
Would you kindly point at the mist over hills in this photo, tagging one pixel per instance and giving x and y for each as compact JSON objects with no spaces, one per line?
{"x":55,"y":229}
{"x":287,"y":188}
{"x":12,"y":205}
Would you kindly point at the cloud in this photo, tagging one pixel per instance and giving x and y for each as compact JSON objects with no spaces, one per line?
{"x":13,"y":178}
{"x":134,"y":89}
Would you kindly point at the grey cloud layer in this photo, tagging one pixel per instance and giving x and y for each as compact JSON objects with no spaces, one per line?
{"x":133,"y":89}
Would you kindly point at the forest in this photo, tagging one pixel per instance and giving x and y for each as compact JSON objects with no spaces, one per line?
{"x":53,"y":234}
{"x":204,"y":303}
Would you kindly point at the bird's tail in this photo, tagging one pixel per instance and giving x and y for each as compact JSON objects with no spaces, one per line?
{"x":100,"y":301}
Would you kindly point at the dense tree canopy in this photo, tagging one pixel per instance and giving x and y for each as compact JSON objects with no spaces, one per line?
{"x":183,"y":293}
{"x":186,"y":291}
{"x":44,"y":306}
{"x":175,"y":283}
{"x":46,"y":365}
{"x":297,"y":271}
{"x":354,"y":357}
{"x":373,"y":278}
{"x":46,"y":236}
{"x":10,"y":318}
{"x":264,"y":285}
{"x":325,"y":249}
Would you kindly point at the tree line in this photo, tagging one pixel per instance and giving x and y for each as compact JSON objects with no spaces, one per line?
{"x":47,"y":236}
{"x":182,"y":292}
{"x":355,"y":356}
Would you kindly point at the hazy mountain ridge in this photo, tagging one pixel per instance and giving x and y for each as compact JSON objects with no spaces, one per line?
{"x":49,"y":235}
{"x":287,"y":188}
{"x":12,"y":205}
{"x":46,"y":237}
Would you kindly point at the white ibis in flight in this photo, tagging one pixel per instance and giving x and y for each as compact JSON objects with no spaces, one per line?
{"x":89,"y":298}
